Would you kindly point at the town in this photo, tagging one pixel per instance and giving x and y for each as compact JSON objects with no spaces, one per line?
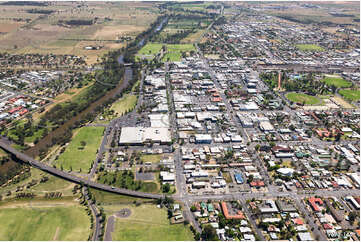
{"x":251,"y":133}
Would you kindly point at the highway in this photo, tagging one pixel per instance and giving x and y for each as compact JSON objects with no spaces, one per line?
{"x":27,"y":159}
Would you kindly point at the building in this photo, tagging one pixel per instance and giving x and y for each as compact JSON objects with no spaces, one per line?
{"x":266,"y":126}
{"x":141,"y":135}
{"x":203,"y":138}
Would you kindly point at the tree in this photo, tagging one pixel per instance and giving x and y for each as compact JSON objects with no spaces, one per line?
{"x":209,"y":233}
{"x":166,"y":188}
{"x":352,"y":216}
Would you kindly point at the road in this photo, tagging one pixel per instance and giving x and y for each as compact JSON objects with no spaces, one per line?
{"x":94,"y":210}
{"x":37,"y":164}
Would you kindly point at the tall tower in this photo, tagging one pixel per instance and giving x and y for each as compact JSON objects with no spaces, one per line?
{"x":279,"y":80}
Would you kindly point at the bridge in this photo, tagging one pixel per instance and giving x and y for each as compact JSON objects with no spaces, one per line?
{"x":51,"y":170}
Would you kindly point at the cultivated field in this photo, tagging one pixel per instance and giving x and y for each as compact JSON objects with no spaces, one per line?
{"x":147,"y":218}
{"x":45,"y":33}
{"x":44,"y":221}
{"x":302,"y":98}
{"x":78,"y":156}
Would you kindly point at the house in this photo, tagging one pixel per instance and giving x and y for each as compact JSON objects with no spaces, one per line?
{"x":313,"y":201}
{"x":239,"y":214}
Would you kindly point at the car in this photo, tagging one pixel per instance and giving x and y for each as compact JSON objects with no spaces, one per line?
{"x":113,"y":187}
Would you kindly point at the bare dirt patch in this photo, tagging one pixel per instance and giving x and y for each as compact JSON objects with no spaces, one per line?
{"x":10,"y":26}
{"x":341,"y":102}
{"x":56,"y":233}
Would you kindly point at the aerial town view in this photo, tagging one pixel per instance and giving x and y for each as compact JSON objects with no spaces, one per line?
{"x":179,"y":121}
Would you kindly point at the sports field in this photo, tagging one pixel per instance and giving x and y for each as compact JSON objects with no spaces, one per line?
{"x":44,"y":223}
{"x":77,"y":156}
{"x":124,"y":104}
{"x":350,"y":94}
{"x":309,"y":47}
{"x":302,"y":98}
{"x":174,"y":52}
{"x":336,"y":81}
{"x":149,"y":218}
{"x":150,"y":49}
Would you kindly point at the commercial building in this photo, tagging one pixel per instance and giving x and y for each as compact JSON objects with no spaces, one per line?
{"x":141,"y":135}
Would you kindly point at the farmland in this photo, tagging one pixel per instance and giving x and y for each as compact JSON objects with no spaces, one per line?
{"x":35,"y":33}
{"x":48,"y":222}
{"x":81,"y":151}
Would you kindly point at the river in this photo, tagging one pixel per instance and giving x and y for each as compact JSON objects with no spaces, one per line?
{"x":128,"y":75}
{"x":34,"y":151}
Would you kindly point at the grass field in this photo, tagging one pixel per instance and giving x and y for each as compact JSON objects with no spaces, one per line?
{"x":151,"y":158}
{"x":53,"y":184}
{"x":75,"y":155}
{"x":309,"y":47}
{"x":336,"y":81}
{"x":350,"y":94}
{"x":44,"y":223}
{"x":147,"y":218}
{"x":112,"y":198}
{"x":174,"y":52}
{"x":124,"y":104}
{"x":150,"y":49}
{"x":302,"y":98}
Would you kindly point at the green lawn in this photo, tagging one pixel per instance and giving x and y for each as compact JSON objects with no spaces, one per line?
{"x":44,"y":223}
{"x":150,"y":49}
{"x":112,"y":198}
{"x":75,"y":156}
{"x":301,"y":97}
{"x":124,"y":104}
{"x":53,"y":184}
{"x":309,"y":47}
{"x":174,"y":52}
{"x":336,"y":81}
{"x":151,"y":219}
{"x":151,"y":158}
{"x":353,"y":95}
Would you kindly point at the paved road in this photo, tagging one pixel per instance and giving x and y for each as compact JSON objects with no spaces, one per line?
{"x":95,"y":214}
{"x":27,"y":159}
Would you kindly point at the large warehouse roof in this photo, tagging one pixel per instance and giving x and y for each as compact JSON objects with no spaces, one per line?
{"x":139,"y":135}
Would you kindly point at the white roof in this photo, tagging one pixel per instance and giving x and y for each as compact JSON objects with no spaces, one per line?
{"x":138,"y":135}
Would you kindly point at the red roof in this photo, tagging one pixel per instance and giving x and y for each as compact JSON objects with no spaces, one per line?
{"x":257,"y":184}
{"x":313,"y":201}
{"x":216,"y":99}
{"x":298,"y":221}
{"x":327,"y":226}
{"x":226,"y":214}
